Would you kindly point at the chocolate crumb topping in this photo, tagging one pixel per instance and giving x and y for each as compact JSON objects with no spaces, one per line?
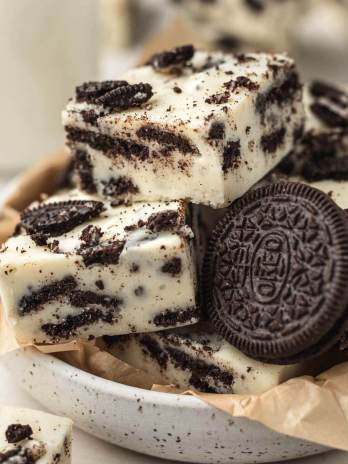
{"x":241,"y":81}
{"x":127,"y":96}
{"x":166,"y":138}
{"x":104,"y":253}
{"x":110,"y":146}
{"x":165,"y":220}
{"x":171,"y":318}
{"x":90,"y":91}
{"x":216,"y":131}
{"x":84,"y":170}
{"x":18,"y":432}
{"x":178,"y":56}
{"x":45,"y":294}
{"x":59,"y":217}
{"x":177,"y":89}
{"x":231,"y":155}
{"x":134,"y":268}
{"x":120,"y":186}
{"x":271,"y":142}
{"x":172,"y":267}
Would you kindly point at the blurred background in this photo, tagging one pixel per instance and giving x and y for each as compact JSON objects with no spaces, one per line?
{"x":47,"y":47}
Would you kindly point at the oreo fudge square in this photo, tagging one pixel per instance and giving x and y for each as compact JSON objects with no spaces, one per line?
{"x":80,"y":268}
{"x":198,"y":357}
{"x":28,"y":437}
{"x":321,"y":157}
{"x":188,"y":125}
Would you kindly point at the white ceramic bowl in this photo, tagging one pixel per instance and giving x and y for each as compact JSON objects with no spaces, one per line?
{"x":159,"y":424}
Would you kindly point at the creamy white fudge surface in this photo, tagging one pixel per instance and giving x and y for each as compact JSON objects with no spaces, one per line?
{"x":201,"y":359}
{"x":190,"y":125}
{"x":28,"y":436}
{"x":263,"y":23}
{"x":80,"y":268}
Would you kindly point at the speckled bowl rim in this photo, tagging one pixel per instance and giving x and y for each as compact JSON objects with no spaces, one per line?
{"x":109,"y":386}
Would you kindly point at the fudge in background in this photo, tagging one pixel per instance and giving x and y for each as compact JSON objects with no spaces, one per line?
{"x":189,"y":125}
{"x":80,"y":268}
{"x":28,"y":437}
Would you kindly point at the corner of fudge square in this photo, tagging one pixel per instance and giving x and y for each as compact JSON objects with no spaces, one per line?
{"x":79,"y":268}
{"x":189,"y":124}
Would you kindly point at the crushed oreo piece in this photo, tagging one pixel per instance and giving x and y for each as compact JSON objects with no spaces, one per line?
{"x":104,"y":253}
{"x":120,"y":186}
{"x":171,"y":318}
{"x":172,"y":267}
{"x":175,"y":57}
{"x":90,"y":236}
{"x":271,"y":142}
{"x":329,"y":115}
{"x":111,"y":147}
{"x":167,"y":139}
{"x":68,"y":328}
{"x":320,"y":89}
{"x":90,"y":91}
{"x":241,"y":81}
{"x":165,"y":220}
{"x":59,"y":217}
{"x":139,"y":291}
{"x":86,"y":299}
{"x":231,"y":155}
{"x":279,"y":94}
{"x":217,"y":131}
{"x":18,"y":432}
{"x":45,"y":294}
{"x":205,"y":377}
{"x":84,"y":170}
{"x":155,"y":350}
{"x":127,"y":96}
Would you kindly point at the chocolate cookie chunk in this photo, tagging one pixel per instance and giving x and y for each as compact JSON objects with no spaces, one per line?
{"x":60,"y":217}
{"x":127,"y":96}
{"x":176,"y":57}
{"x":276,"y":273}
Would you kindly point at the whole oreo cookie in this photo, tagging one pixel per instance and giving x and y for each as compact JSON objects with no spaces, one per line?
{"x":60,"y":217}
{"x":276,"y":273}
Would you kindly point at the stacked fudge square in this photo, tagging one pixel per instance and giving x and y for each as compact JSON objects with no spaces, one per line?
{"x":172,"y":143}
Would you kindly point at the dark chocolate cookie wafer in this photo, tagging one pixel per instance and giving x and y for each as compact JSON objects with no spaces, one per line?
{"x":276,"y":273}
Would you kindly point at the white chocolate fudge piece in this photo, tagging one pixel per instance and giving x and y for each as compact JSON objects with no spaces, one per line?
{"x":81,"y":268}
{"x":190,"y":125}
{"x":28,"y":436}
{"x":262,"y":23}
{"x":201,"y":359}
{"x":321,"y":159}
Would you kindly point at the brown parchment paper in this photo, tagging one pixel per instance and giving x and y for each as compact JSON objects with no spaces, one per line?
{"x":314,"y":409}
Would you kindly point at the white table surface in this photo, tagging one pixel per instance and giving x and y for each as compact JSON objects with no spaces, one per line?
{"x":88,"y":450}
